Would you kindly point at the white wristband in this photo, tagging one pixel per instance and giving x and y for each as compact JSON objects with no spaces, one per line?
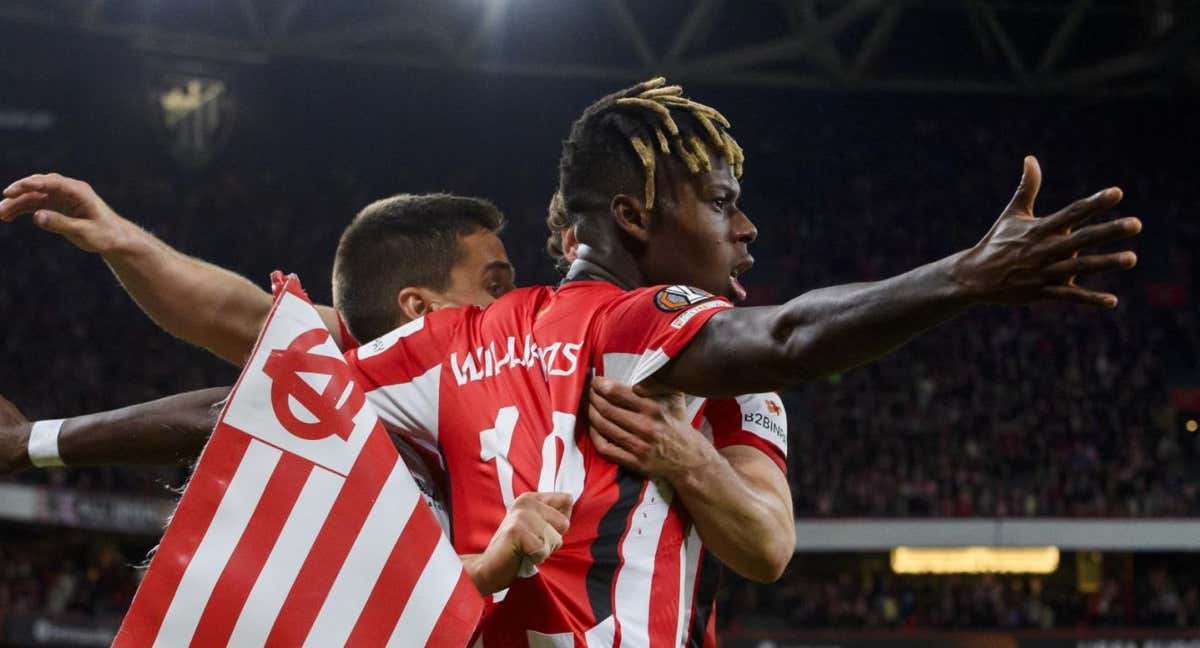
{"x":43,"y":444}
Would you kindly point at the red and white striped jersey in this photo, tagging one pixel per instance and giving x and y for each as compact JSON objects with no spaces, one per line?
{"x":496,"y":392}
{"x":301,"y":525}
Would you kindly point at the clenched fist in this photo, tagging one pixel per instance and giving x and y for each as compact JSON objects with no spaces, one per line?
{"x":532,"y":530}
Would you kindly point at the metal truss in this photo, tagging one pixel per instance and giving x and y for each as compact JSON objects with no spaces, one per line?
{"x":911,"y":46}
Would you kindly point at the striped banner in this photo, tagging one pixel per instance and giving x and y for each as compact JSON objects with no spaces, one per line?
{"x":301,"y":525}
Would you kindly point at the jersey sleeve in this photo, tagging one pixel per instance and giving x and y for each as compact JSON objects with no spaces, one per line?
{"x":755,"y":420}
{"x":644,"y":328}
{"x":401,"y":374}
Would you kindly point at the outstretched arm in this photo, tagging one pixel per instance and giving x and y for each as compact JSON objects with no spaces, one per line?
{"x":188,"y":297}
{"x":1022,"y":259}
{"x":165,"y":431}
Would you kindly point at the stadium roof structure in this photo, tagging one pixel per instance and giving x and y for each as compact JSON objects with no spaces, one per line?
{"x":1015,"y":47}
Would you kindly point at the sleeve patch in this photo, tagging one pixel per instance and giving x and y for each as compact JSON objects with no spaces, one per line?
{"x":763,"y":416}
{"x":677,"y":298}
{"x":687,"y":315}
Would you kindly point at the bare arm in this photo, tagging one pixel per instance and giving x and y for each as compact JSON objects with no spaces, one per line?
{"x":737,"y":496}
{"x":174,"y":430}
{"x":164,"y":431}
{"x":189,"y":298}
{"x":1022,"y":259}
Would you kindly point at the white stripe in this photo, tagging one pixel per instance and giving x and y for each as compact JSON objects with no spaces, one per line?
{"x":410,"y":409}
{"x":633,"y":368}
{"x":602,"y":635}
{"x":690,"y":559}
{"x":388,"y":340}
{"x":636,"y":573}
{"x":767,"y":426}
{"x":650,"y":362}
{"x":536,"y":639}
{"x":366,"y":559}
{"x":308,"y":514}
{"x":429,"y":597}
{"x":220,"y":539}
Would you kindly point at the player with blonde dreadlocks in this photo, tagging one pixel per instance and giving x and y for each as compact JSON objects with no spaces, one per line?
{"x":653,"y":138}
{"x":649,"y":185}
{"x":651,"y":180}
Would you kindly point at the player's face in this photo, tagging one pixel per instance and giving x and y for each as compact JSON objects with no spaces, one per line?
{"x":481,"y":275}
{"x":701,"y":236}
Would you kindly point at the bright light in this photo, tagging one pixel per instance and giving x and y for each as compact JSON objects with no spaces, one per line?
{"x":974,"y":560}
{"x":1191,"y":425}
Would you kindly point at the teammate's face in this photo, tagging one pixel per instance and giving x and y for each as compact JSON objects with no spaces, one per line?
{"x":700,"y":237}
{"x":481,"y":275}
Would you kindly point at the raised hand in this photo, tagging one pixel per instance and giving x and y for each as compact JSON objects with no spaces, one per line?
{"x":68,"y":207}
{"x":1025,"y":258}
{"x":14,"y":438}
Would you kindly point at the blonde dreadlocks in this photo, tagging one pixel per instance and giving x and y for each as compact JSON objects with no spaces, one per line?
{"x":647,"y":120}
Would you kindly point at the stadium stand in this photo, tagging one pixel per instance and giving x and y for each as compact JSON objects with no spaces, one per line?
{"x":1060,"y":412}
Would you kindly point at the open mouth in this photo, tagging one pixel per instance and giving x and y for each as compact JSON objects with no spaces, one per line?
{"x":739,"y":291}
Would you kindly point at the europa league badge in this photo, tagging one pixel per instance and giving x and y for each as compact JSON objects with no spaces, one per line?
{"x":195,"y":115}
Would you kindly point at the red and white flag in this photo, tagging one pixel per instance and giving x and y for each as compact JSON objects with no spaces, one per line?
{"x":301,"y":525}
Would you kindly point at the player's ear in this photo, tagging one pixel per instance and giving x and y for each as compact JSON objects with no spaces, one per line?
{"x":570,"y":243}
{"x":630,"y":216}
{"x":414,"y":302}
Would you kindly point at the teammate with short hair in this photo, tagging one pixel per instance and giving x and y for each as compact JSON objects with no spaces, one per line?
{"x":653,"y":178}
{"x":454,"y":238}
{"x":450,"y":239}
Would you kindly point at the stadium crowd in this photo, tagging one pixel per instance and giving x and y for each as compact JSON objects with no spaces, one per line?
{"x":71,"y":572}
{"x":1053,"y":411}
{"x":878,"y":599}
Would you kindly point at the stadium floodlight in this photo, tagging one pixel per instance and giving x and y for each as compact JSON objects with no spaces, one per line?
{"x":974,"y":560}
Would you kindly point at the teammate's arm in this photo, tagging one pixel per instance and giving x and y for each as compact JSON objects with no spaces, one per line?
{"x":164,"y":431}
{"x":1021,"y":259}
{"x":189,"y":298}
{"x":174,"y":430}
{"x":531,"y":530}
{"x":737,"y":496}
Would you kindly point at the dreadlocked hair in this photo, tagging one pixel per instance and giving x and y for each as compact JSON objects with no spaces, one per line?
{"x":615,"y":144}
{"x":556,"y":221}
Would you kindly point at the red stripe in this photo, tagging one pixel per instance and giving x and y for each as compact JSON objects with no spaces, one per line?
{"x":664,"y":582}
{"x":457,"y":624}
{"x":710,"y":633}
{"x":216,"y":468}
{"x":333,"y":542}
{"x":241,"y":572}
{"x":752,"y":440}
{"x":400,"y":573}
